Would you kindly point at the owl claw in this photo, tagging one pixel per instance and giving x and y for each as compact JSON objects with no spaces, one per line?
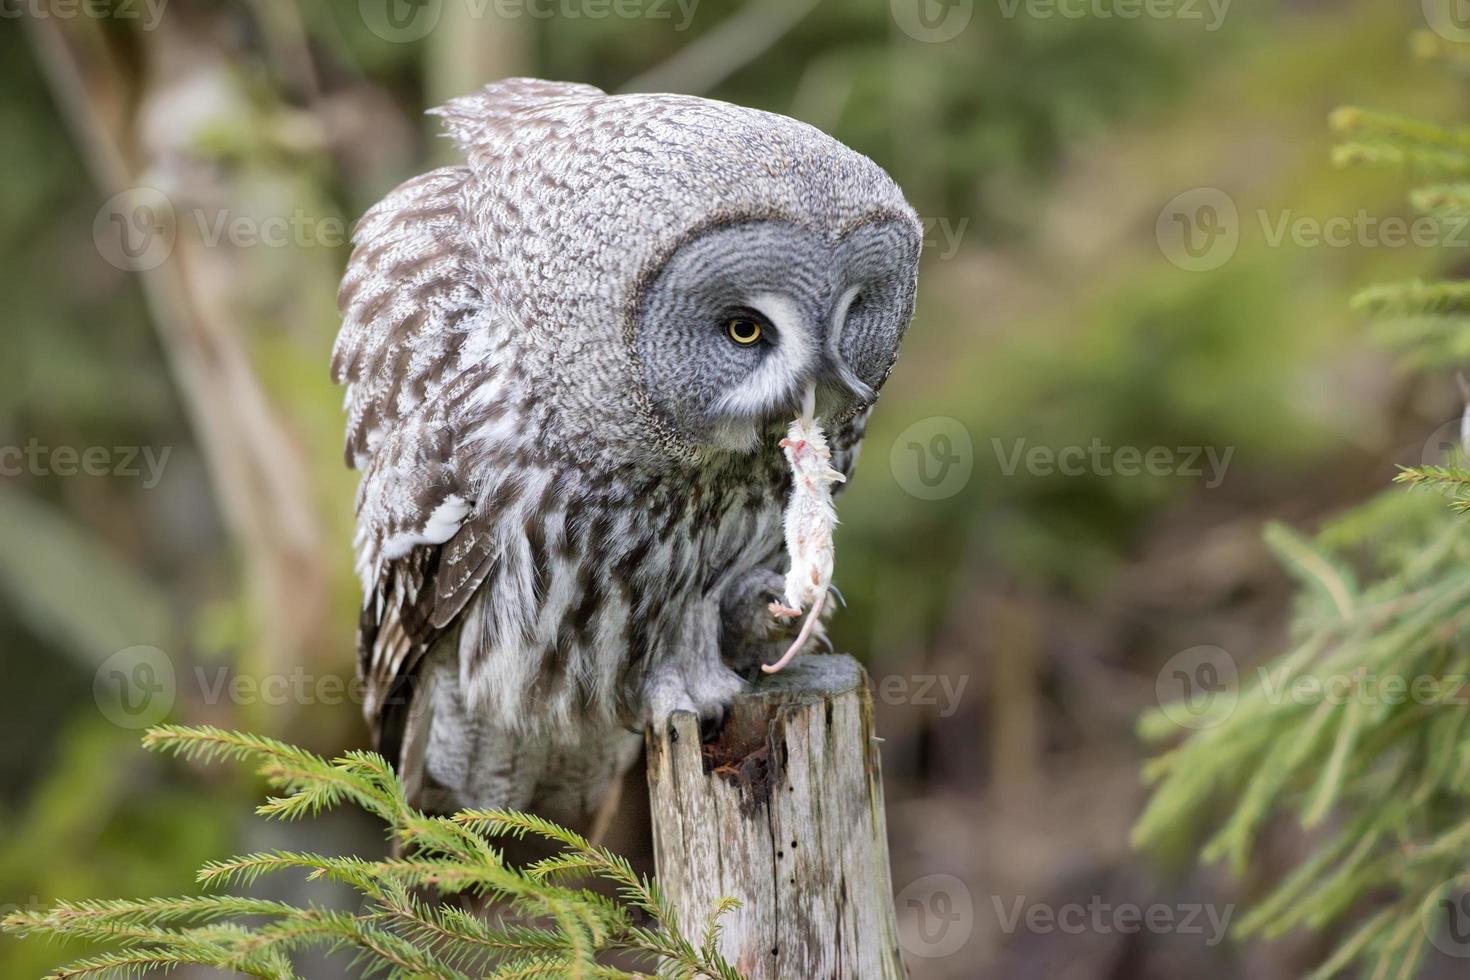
{"x":836,"y":592}
{"x":705,"y":694}
{"x":757,"y":624}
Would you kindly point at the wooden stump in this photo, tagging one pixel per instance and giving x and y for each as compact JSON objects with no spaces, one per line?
{"x":783,"y":811}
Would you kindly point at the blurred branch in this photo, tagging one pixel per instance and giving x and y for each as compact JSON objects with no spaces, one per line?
{"x":1016,"y":732}
{"x":462,"y":54}
{"x":101,"y":153}
{"x":257,"y":472}
{"x":735,"y":43}
{"x":285,"y":38}
{"x":822,"y":92}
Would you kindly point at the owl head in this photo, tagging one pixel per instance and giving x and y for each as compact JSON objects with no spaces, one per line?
{"x":744,"y":317}
{"x":685,"y":270}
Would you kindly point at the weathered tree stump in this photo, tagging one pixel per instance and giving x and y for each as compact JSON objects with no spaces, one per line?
{"x":783,"y":811}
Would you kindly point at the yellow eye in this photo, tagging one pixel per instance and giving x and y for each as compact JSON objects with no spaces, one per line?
{"x":743,"y":330}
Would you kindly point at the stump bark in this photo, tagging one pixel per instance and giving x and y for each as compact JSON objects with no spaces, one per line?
{"x":783,"y":811}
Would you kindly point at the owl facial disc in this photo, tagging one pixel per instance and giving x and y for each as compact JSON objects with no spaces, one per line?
{"x":743,"y":318}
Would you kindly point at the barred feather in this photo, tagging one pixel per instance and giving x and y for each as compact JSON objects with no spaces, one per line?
{"x":535,"y":542}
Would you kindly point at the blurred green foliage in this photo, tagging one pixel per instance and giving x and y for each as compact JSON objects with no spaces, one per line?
{"x":1380,"y":771}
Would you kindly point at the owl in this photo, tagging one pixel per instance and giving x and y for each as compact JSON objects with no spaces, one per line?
{"x":568,"y":364}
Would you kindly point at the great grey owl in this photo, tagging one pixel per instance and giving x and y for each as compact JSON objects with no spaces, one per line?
{"x":568,"y":363}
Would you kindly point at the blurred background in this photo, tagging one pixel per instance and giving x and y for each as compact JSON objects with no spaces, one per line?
{"x":1132,"y":349}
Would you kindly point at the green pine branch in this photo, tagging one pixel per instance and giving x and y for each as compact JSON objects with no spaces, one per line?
{"x":1382,"y":139}
{"x":544,"y":926}
{"x":1360,"y":732}
{"x":1451,"y":481}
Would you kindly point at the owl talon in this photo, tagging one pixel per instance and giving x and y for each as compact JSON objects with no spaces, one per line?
{"x":836,"y":592}
{"x":758,"y":627}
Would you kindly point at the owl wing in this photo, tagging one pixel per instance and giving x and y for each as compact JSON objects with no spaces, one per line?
{"x":412,"y":353}
{"x":417,"y":352}
{"x":408,"y":300}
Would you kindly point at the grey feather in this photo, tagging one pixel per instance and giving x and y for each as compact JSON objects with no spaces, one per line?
{"x":569,"y":472}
